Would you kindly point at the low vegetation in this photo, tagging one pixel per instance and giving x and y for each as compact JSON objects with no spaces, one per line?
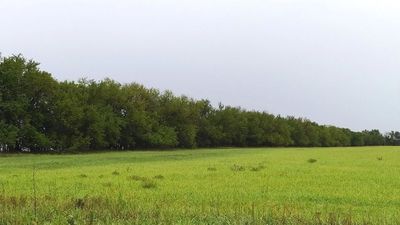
{"x":220,"y":186}
{"x":312,"y":160}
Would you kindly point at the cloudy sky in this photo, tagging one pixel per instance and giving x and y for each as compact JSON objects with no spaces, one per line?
{"x":332,"y":61}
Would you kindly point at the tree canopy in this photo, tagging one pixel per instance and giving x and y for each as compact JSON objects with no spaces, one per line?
{"x":41,"y":114}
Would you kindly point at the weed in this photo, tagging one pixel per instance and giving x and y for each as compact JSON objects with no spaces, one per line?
{"x":34,"y":191}
{"x":91,"y":218}
{"x":115,"y":173}
{"x":83,"y":176}
{"x":160,"y":177}
{"x":71,"y":220}
{"x":212,"y":169}
{"x":107,"y":184}
{"x":257,"y":168}
{"x":380,"y":158}
{"x":147,"y":184}
{"x":312,"y":160}
{"x":137,"y":178}
{"x":79,"y":203}
{"x":237,"y":168}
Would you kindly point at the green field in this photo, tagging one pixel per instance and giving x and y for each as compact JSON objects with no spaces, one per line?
{"x":220,"y":186}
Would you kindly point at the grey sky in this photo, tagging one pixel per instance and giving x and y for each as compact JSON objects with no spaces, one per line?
{"x":332,"y":61}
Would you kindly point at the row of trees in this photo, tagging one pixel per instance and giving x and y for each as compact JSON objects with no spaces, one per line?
{"x":38,"y":114}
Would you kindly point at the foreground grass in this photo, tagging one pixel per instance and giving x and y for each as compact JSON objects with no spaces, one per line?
{"x":221,"y":186}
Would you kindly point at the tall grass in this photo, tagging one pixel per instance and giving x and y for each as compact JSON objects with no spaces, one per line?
{"x":252,"y":186}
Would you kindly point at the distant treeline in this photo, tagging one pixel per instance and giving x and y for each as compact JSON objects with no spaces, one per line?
{"x":40,"y":114}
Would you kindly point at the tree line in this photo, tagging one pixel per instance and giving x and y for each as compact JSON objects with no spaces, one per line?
{"x":41,"y":114}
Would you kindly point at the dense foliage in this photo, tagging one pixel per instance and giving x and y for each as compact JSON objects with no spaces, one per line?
{"x":38,"y":113}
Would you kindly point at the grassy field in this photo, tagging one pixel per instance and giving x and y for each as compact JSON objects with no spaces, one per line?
{"x":220,"y":186}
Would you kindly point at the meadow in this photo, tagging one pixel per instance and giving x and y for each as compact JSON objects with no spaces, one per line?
{"x":205,"y":186}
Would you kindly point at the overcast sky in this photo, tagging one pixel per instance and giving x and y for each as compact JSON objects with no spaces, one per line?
{"x":333,"y":61}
